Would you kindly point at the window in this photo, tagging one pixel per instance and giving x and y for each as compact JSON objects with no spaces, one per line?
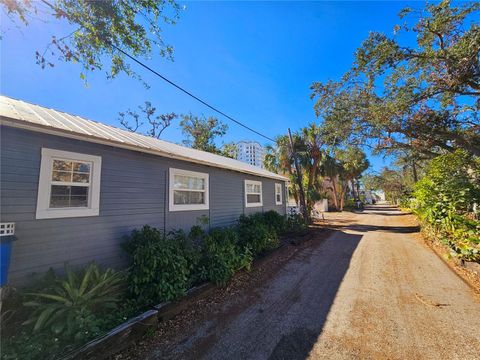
{"x":188,"y":190}
{"x":278,"y":194}
{"x":69,"y":185}
{"x":253,"y":193}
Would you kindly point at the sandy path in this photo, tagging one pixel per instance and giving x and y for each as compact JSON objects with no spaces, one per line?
{"x":372,"y":290}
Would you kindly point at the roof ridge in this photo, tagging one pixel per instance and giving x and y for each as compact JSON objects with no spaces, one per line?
{"x":154,"y":144}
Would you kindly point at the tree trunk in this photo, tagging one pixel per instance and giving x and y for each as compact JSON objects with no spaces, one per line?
{"x":358,"y":189}
{"x":335,"y":197}
{"x":303,"y":204}
{"x":352,"y":184}
{"x":342,"y":194}
{"x":414,"y":169}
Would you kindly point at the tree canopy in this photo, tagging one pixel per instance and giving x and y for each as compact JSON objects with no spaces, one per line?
{"x":423,"y":98}
{"x":201,"y":133}
{"x":134,"y":26}
{"x":318,"y":160}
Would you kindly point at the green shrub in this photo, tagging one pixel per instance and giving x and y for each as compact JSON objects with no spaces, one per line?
{"x":445,"y":199}
{"x":61,"y":313}
{"x":159,"y":268}
{"x":275,"y":221}
{"x":70,"y":305}
{"x":222,"y":256}
{"x":190,"y":245}
{"x":295,"y":224}
{"x":254,"y":234}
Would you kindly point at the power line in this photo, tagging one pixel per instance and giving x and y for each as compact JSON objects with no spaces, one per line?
{"x":190,"y":94}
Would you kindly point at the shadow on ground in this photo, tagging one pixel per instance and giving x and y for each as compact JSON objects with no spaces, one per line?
{"x":320,"y":283}
{"x":280,"y":313}
{"x":390,"y":229}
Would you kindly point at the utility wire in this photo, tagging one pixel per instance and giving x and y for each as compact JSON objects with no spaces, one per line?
{"x":190,"y":94}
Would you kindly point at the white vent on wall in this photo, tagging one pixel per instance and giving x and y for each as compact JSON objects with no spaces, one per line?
{"x":7,"y":229}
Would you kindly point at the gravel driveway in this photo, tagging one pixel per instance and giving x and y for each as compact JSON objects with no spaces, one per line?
{"x":371,"y":290}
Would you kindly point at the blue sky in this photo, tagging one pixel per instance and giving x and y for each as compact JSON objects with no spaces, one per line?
{"x":253,"y":60}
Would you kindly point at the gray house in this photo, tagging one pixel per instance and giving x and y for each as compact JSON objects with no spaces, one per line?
{"x":74,"y":187}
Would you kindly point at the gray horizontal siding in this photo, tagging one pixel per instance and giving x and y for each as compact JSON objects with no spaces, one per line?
{"x":133,"y":193}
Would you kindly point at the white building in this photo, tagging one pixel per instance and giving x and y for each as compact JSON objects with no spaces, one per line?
{"x":251,"y":152}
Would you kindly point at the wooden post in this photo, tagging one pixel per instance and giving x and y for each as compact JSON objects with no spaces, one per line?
{"x":303,"y":203}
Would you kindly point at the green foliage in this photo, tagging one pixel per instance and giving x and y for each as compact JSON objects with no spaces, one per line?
{"x":421,"y":98}
{"x":133,"y":26}
{"x":159,"y":270}
{"x":446,"y":197}
{"x":393,"y":182}
{"x":70,"y":305}
{"x":63,"y":312}
{"x":201,"y":132}
{"x":295,"y":224}
{"x":275,"y":221}
{"x":222,"y":256}
{"x":26,"y":345}
{"x":255,"y":234}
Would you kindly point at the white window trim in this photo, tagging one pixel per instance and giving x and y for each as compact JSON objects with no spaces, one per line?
{"x":187,"y":207}
{"x":252,"y":182}
{"x":44,"y":186}
{"x":278,"y":186}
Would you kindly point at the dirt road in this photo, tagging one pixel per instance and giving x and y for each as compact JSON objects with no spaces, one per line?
{"x":372,"y":290}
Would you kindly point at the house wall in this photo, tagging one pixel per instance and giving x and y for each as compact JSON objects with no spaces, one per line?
{"x":134,"y":192}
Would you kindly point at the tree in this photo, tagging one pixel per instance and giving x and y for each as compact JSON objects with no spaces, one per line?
{"x":331,"y":170}
{"x":393,"y":183}
{"x":354,"y":162}
{"x":134,"y":26}
{"x":157,"y":123}
{"x":229,"y":150}
{"x":279,"y":159}
{"x":424,"y":98}
{"x":201,"y":133}
{"x":311,"y":144}
{"x":308,"y":146}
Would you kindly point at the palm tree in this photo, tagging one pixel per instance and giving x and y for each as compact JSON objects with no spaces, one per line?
{"x":279,"y":159}
{"x":331,"y":170}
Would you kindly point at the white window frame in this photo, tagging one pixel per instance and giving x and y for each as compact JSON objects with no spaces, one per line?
{"x":278,"y":191}
{"x":188,"y":207}
{"x":252,"y":182}
{"x":44,"y":211}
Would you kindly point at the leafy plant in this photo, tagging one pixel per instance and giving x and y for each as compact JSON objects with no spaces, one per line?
{"x":222,"y":257}
{"x":295,"y":224}
{"x":446,"y":198}
{"x":255,"y":234}
{"x":159,"y":270}
{"x":191,"y":244}
{"x":69,"y":306}
{"x":275,"y":221}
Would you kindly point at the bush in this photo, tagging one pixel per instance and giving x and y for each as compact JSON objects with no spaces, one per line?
{"x":64,"y":312}
{"x":222,"y":256}
{"x":254,"y":234}
{"x":159,"y":270}
{"x":69,"y":305}
{"x":275,"y":221}
{"x":295,"y":224}
{"x":190,"y":245}
{"x":445,"y":198}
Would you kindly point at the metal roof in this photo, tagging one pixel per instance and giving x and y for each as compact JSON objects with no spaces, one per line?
{"x":18,"y":113}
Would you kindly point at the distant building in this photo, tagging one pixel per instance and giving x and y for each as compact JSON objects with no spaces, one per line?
{"x":251,"y":152}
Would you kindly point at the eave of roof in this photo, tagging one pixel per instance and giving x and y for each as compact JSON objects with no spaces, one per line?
{"x":16,"y":113}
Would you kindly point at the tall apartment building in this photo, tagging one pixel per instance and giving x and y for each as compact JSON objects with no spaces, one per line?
{"x":250,"y":152}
